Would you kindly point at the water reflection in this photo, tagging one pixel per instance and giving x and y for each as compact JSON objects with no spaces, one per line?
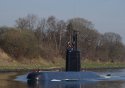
{"x":6,"y":80}
{"x":11,"y":84}
{"x":49,"y":84}
{"x":101,"y":84}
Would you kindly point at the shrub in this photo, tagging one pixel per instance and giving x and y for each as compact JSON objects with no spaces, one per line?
{"x":19,"y":43}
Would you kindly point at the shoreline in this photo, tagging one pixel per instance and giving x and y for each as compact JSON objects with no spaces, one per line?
{"x":55,"y":69}
{"x":60,"y":66}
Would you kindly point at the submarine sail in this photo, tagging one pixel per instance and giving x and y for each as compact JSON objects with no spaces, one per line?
{"x":73,"y":55}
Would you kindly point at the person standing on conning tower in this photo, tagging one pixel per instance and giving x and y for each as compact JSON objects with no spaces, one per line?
{"x":69,"y":47}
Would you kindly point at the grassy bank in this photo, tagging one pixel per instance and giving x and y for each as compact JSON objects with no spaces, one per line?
{"x":50,"y":66}
{"x":91,"y":65}
{"x":9,"y":64}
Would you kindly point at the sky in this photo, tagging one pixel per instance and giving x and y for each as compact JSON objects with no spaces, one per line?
{"x":106,"y":15}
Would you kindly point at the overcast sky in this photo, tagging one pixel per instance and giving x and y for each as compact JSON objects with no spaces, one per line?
{"x":107,"y":15}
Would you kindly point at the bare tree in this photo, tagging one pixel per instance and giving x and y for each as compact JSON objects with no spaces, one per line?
{"x":52,"y":30}
{"x":61,"y":26}
{"x":112,"y":42}
{"x":21,"y":23}
{"x":40,"y":30}
{"x":28,"y":22}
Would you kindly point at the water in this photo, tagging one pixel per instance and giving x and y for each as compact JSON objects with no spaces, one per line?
{"x":18,"y":80}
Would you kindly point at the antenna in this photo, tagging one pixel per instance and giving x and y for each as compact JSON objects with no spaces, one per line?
{"x":74,"y":40}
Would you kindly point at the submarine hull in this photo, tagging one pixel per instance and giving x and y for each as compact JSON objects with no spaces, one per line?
{"x":49,"y":76}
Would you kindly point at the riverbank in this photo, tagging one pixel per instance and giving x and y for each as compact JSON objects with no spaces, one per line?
{"x":84,"y":66}
{"x":98,"y":65}
{"x":8,"y":63}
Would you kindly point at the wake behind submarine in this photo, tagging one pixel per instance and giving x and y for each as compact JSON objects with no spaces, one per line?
{"x":72,"y":71}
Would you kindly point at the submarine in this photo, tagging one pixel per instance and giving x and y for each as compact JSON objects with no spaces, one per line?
{"x":73,"y":67}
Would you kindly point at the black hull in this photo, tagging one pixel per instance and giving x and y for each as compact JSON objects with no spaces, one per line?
{"x":62,"y":76}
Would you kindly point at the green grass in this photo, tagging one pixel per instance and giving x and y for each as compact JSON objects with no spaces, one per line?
{"x":41,"y":64}
{"x":83,"y":65}
{"x":22,"y":68}
{"x":31,"y":66}
{"x":102,"y":65}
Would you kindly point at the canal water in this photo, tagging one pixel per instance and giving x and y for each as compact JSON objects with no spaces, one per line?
{"x":18,"y":80}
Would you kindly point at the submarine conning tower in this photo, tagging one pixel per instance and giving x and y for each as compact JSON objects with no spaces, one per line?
{"x":73,"y":55}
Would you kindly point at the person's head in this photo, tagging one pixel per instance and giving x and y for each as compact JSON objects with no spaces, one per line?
{"x":69,"y":44}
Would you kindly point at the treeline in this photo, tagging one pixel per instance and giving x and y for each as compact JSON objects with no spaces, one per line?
{"x":34,"y":37}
